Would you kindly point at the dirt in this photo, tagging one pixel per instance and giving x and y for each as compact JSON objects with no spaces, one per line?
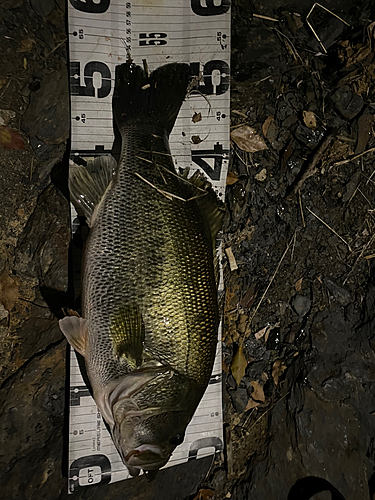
{"x":298,"y":341}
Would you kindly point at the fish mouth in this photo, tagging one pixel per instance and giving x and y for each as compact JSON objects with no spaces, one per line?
{"x":146,"y":457}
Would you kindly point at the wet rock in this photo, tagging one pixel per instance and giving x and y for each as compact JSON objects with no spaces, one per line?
{"x":43,"y":247}
{"x":351,"y":187}
{"x":301,"y":304}
{"x":346,"y":102}
{"x":218,"y":481}
{"x":339,"y":293}
{"x":239,"y":399}
{"x":308,"y":137}
{"x":283,"y":110}
{"x":42,"y":7}
{"x":47,"y":117}
{"x":32,"y":413}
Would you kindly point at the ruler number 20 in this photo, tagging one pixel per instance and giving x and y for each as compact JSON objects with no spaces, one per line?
{"x":152,"y":39}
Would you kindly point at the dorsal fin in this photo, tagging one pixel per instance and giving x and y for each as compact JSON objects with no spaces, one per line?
{"x":88,"y":184}
{"x":211,"y":206}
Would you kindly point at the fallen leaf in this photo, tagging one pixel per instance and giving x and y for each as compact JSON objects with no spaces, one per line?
{"x":238,"y":365}
{"x":6,"y":115}
{"x":72,"y":312}
{"x":26,"y":45}
{"x":258,"y":335}
{"x":231,"y":178}
{"x":277,"y":369}
{"x":258,"y":394}
{"x":298,"y":285}
{"x":8,"y":291}
{"x":251,"y":404}
{"x":232,"y":261}
{"x":247,"y":139}
{"x":266,"y":125}
{"x":242,"y":323}
{"x":203,"y":494}
{"x":195,"y":139}
{"x":261,"y":176}
{"x":10,"y":139}
{"x":249,"y":297}
{"x":310,"y":119}
{"x":266,"y":337}
{"x":297,"y":19}
{"x":197,"y":117}
{"x":365,"y":124}
{"x":3,"y":312}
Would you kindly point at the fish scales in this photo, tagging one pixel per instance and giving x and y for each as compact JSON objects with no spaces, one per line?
{"x":150,"y":314}
{"x":148,"y":250}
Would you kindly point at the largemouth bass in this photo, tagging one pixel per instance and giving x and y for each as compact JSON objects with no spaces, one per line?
{"x":150,"y":313}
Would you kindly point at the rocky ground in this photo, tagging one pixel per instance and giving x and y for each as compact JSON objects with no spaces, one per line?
{"x":299,"y":341}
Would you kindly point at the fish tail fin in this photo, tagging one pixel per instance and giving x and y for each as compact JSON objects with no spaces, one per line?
{"x":158,"y":96}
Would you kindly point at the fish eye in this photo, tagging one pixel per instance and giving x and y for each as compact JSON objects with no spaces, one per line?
{"x":178,"y":439}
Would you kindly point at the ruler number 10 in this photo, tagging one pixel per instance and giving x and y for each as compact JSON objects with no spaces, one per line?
{"x":152,"y":39}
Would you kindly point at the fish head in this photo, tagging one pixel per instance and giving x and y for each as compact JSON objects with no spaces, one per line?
{"x":149,"y":420}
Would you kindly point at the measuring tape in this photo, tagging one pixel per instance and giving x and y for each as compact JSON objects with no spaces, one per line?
{"x":102,"y":33}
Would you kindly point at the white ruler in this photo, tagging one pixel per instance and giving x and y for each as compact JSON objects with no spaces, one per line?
{"x":101,"y":35}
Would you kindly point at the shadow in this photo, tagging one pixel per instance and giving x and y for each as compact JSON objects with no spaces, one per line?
{"x":371,"y":487}
{"x":307,"y":487}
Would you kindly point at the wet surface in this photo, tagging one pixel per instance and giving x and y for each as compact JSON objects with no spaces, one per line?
{"x":298,"y":352}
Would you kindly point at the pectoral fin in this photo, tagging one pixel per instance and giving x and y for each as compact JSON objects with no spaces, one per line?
{"x":75,"y":331}
{"x":128,"y":334}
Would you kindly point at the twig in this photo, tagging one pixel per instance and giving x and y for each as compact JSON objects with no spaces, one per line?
{"x":266,"y":18}
{"x":269,"y":284}
{"x":342,"y":162}
{"x":368,"y":201}
{"x":155,"y":152}
{"x":260,"y":81}
{"x":184,"y":180}
{"x":268,"y":410}
{"x":57,"y":46}
{"x":294,"y":245}
{"x":161,"y":191}
{"x":31,"y":168}
{"x":300,"y":206}
{"x":359,"y":257}
{"x":167,"y":194}
{"x":232,"y":127}
{"x":144,"y":159}
{"x":312,"y":29}
{"x":293,"y":49}
{"x":312,"y":167}
{"x":329,"y":227}
{"x":370,"y":178}
{"x":6,"y":86}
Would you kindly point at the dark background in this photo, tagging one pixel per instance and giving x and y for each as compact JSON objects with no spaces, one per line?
{"x":305,"y":404}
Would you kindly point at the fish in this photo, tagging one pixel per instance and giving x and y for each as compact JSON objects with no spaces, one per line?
{"x":150,"y":314}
